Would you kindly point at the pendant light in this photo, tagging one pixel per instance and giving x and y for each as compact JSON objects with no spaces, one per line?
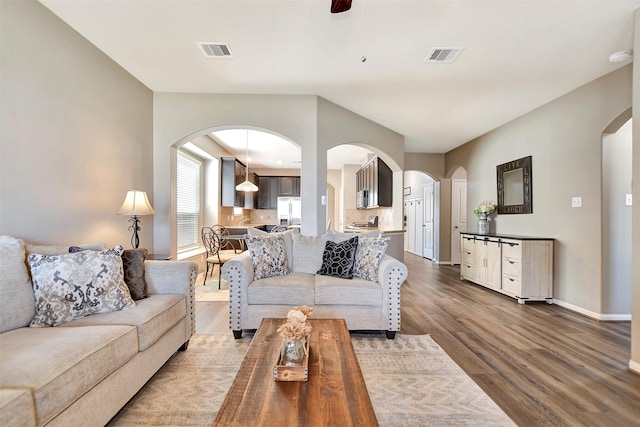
{"x":247,"y":186}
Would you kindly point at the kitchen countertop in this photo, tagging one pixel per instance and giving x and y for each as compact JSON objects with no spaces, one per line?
{"x":363,"y":229}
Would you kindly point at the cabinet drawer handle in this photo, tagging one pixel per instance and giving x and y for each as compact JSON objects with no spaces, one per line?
{"x":511,"y":262}
{"x":511,"y":279}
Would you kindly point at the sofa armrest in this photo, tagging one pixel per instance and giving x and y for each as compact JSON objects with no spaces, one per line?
{"x":174,"y":277}
{"x":239,"y":273}
{"x":391,"y":276}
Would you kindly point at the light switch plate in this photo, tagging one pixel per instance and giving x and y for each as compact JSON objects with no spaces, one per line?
{"x":576,"y":202}
{"x":628,"y":200}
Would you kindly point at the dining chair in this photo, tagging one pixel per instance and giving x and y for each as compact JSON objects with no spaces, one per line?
{"x":215,"y":256}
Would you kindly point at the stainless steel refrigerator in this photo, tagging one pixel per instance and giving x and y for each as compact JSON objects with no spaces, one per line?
{"x":289,"y":210}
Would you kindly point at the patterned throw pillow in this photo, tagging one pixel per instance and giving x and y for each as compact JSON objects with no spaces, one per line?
{"x":370,"y":252}
{"x":268,"y":256}
{"x":75,"y":285}
{"x":338,"y":258}
{"x":133,"y":265}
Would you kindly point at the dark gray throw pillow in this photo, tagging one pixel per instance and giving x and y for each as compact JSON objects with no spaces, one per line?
{"x":133,"y":264}
{"x":338,"y":258}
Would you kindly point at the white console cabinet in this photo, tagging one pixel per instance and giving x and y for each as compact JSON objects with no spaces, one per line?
{"x":517,"y":266}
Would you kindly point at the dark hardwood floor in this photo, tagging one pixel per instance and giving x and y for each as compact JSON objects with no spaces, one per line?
{"x":542,"y":364}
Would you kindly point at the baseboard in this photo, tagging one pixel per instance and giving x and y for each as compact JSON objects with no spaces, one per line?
{"x":634,"y":367}
{"x":593,"y":314}
{"x":443,"y":262}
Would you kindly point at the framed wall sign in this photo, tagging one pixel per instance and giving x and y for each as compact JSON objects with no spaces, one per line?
{"x":514,"y":187}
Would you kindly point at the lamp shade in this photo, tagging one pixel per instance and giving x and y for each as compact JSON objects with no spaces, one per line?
{"x":136,"y":203}
{"x":247,"y":186}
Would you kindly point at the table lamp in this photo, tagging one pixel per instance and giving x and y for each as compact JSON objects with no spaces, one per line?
{"x":135,"y":205}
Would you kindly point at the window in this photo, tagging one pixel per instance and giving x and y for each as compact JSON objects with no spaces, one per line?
{"x":188,"y":201}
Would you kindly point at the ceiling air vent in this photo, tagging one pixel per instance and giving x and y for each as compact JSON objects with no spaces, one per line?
{"x":215,"y":49}
{"x":443,"y":55}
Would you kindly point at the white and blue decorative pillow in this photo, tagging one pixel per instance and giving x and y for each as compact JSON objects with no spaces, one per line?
{"x":370,"y":252}
{"x":75,"y":285}
{"x":338,"y":258}
{"x":268,"y":256}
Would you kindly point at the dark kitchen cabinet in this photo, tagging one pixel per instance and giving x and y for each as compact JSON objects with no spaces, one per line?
{"x":232,"y":173}
{"x":289,"y":186}
{"x":271,"y":187}
{"x":375,"y":181}
{"x":267,"y":192}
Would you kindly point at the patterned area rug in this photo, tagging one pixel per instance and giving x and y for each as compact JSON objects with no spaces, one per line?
{"x":411,"y":382}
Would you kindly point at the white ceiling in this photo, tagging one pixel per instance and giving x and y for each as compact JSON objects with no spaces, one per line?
{"x":518,"y":54}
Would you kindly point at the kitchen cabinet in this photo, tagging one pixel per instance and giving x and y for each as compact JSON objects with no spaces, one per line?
{"x":272,"y":187}
{"x":517,"y":266}
{"x":232,"y":173}
{"x":375,"y":181}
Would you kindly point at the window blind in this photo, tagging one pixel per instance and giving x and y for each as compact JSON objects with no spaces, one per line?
{"x":188,"y":201}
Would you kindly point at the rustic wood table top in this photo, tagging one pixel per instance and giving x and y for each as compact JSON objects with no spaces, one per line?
{"x":334,"y":395}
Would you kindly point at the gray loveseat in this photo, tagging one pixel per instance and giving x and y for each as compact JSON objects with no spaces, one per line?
{"x":364,"y":304}
{"x":83,"y":372}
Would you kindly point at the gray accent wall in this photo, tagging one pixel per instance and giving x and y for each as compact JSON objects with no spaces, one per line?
{"x":564,"y":137}
{"x":76,"y":134}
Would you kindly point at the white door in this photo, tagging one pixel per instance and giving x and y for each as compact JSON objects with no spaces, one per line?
{"x":418,"y":227}
{"x":411,"y":226}
{"x":427,"y":228}
{"x":458,"y":216}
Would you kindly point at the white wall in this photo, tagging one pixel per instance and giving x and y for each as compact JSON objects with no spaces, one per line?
{"x":76,"y":134}
{"x":616,"y":221}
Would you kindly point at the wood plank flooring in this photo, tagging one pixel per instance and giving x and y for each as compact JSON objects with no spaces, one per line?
{"x":542,"y":364}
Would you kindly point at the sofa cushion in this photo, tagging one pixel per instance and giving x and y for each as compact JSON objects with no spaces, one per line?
{"x":288,"y":240}
{"x":292,"y":289}
{"x":16,"y":407}
{"x":75,"y":285}
{"x":337,"y":258}
{"x":370,"y":252}
{"x":308,"y":253}
{"x":268,"y":256}
{"x":336,"y":291}
{"x":61,"y":364}
{"x":133,"y":266}
{"x":16,"y":292}
{"x":152,"y":316}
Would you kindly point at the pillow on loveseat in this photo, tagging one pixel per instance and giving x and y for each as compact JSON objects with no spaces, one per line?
{"x":288,"y":240}
{"x":268,"y":255}
{"x":75,"y":285}
{"x":368,"y":255}
{"x":338,"y":258}
{"x":308,"y":252}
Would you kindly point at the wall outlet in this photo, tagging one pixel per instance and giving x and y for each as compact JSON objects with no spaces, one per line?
{"x":628,"y":200}
{"x":576,"y":202}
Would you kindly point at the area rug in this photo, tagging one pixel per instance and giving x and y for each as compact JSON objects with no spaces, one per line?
{"x":411,"y":382}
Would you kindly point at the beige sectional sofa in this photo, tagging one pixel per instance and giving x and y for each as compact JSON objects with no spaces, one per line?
{"x":365,"y":304}
{"x":81,"y":373}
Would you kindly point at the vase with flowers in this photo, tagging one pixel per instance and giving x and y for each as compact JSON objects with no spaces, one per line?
{"x":482,"y":212}
{"x":295,"y":331}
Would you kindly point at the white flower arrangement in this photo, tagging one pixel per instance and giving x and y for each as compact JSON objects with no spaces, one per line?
{"x":485,"y":208}
{"x":296,"y":326}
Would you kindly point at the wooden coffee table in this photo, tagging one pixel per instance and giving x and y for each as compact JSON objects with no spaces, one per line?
{"x":335,"y":393}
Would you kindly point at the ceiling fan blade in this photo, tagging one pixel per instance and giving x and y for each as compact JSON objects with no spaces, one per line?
{"x":339,"y":6}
